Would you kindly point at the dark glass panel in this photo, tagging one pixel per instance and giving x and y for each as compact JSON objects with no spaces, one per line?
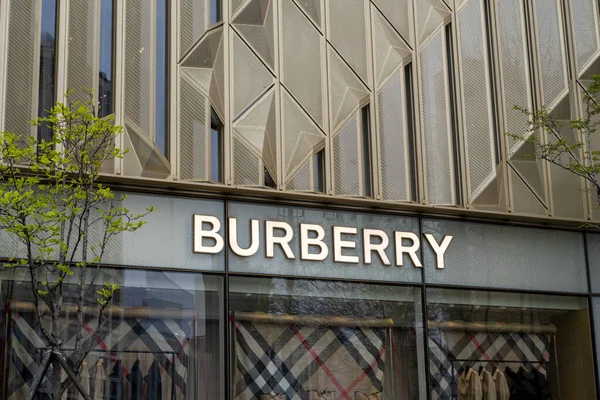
{"x":47,"y":79}
{"x":105,"y":91}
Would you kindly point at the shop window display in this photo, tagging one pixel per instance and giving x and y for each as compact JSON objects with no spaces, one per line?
{"x":495,"y":345}
{"x":300,"y":339}
{"x":163,"y":338}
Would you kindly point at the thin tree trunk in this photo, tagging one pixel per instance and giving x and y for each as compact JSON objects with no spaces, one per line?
{"x":55,"y":379}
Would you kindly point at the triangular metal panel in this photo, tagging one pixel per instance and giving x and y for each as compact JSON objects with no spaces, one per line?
{"x":524,"y":201}
{"x":255,"y":24}
{"x":312,"y":8}
{"x":301,"y":137}
{"x":390,"y":50}
{"x":345,"y":88}
{"x":250,"y":76}
{"x":430,"y":16}
{"x":397,"y":11}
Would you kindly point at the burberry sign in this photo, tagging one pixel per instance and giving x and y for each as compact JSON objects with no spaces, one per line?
{"x":310,"y":242}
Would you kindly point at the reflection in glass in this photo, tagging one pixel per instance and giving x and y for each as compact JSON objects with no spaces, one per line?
{"x":366,"y":151}
{"x":342,"y":338}
{"x":319,"y":171}
{"x":46,"y":90}
{"x":216,"y":12}
{"x":163,"y":331}
{"x":517,"y":343}
{"x":105,"y":90}
{"x":216,"y":147}
{"x":161,"y":118}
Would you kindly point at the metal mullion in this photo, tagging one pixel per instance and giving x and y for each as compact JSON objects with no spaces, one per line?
{"x":374,"y":167}
{"x":537,"y":92}
{"x":4,"y":21}
{"x":420,"y":167}
{"x":172,"y":82}
{"x":119,"y":68}
{"x":279,"y":177}
{"x":227,"y":133}
{"x":96,"y":46}
{"x":329,"y":153}
{"x":152,"y":26}
{"x":36,"y":62}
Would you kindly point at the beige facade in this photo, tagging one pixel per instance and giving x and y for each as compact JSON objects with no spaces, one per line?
{"x":398,"y":101}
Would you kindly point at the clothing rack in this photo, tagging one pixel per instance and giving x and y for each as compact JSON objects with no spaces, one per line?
{"x":471,"y":361}
{"x":112,"y":352}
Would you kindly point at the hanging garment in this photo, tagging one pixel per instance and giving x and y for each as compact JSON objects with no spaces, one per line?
{"x":99,"y":380}
{"x":469,"y":386}
{"x":316,"y":395}
{"x":502,"y":389}
{"x":116,"y":382}
{"x":153,"y":382}
{"x":136,"y":378}
{"x":488,"y":387}
{"x":84,"y":379}
{"x":273,"y":397}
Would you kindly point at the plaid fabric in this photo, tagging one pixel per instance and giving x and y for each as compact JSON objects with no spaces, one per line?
{"x":293,"y":360}
{"x":516,"y":349}
{"x":160,"y":337}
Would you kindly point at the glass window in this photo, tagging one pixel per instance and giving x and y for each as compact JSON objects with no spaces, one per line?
{"x":319,"y":171}
{"x":301,"y":339}
{"x":46,"y":89}
{"x":105,"y":90}
{"x":366,"y":151}
{"x":410,"y":115}
{"x":162,"y":93}
{"x":216,"y":147}
{"x":163,"y":331}
{"x":216,"y":12}
{"x":268,"y":179}
{"x":531,"y":346}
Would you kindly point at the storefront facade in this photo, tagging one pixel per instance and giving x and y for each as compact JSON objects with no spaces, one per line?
{"x":224,"y":299}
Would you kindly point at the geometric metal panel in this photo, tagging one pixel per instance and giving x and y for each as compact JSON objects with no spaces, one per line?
{"x":257,"y":130}
{"x":246,"y":164}
{"x":398,"y":12}
{"x":430,"y":17}
{"x":312,"y":8}
{"x":437,"y":136}
{"x":255,"y":23}
{"x":346,"y":161}
{"x":204,"y":65}
{"x":192,"y":23}
{"x":21,"y":68}
{"x":346,"y":91}
{"x":584,"y":15}
{"x":347,"y":33}
{"x":192,"y":131}
{"x":301,"y":60}
{"x":250,"y":76}
{"x":389,"y":49}
{"x":476,"y":93}
{"x":82,"y":49}
{"x":149,"y":157}
{"x":301,"y":137}
{"x":301,"y":178}
{"x":514,"y":68}
{"x":524,"y":201}
{"x":550,"y":39}
{"x":395,"y":160}
{"x":139,"y":59}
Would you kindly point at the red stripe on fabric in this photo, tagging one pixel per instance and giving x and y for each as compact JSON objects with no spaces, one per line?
{"x":364,"y":373}
{"x":343,"y":392}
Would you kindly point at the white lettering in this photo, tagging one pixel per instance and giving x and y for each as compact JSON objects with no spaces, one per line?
{"x":283,"y":241}
{"x":410,"y":250}
{"x":200,"y":234}
{"x":254,"y":238}
{"x":339,"y":244}
{"x":440,"y":249}
{"x":369,"y":247}
{"x":306,"y":242}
